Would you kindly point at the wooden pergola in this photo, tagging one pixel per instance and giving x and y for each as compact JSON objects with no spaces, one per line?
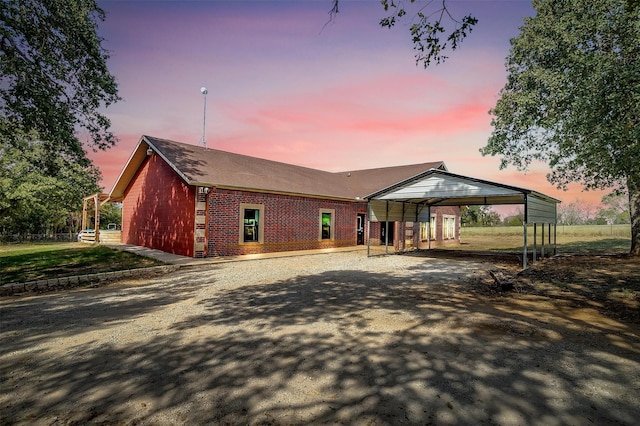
{"x":98,"y":199}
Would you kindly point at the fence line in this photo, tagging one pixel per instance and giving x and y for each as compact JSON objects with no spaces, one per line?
{"x":38,"y":238}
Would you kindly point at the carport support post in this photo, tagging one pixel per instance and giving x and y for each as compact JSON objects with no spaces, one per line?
{"x":535,"y":240}
{"x":555,"y":229}
{"x":416,"y":229}
{"x":429,"y":227}
{"x":542,"y":246}
{"x":368,"y":228}
{"x":524,"y":249}
{"x":386,"y":231}
{"x":404,"y":230}
{"x":368,"y":238}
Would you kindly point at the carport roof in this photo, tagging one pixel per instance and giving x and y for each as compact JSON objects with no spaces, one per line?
{"x":441,"y":188}
{"x":437,"y":187}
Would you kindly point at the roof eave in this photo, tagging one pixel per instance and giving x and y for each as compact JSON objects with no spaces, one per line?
{"x":128,"y":171}
{"x":134,"y":162}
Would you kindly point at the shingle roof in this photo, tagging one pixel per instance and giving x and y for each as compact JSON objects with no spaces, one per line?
{"x":198,"y":165}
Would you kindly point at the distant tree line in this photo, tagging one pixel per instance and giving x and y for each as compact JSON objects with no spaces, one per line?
{"x":479,"y":216}
{"x":613,"y":210}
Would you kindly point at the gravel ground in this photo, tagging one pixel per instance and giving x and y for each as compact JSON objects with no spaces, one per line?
{"x":321,"y":339}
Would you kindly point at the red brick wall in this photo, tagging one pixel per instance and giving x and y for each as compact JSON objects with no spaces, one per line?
{"x":451,"y":211}
{"x":158,"y":209}
{"x":159,"y":212}
{"x":439,"y":212}
{"x":290,"y":223}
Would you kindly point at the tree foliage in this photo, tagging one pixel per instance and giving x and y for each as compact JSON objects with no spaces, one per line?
{"x":572,"y":98}
{"x":615,"y":208}
{"x":433,"y":28}
{"x":54,"y":83}
{"x":34,"y":201}
{"x":479,"y":216}
{"x":110,"y":213}
{"x":516,"y":219}
{"x":53,"y":75}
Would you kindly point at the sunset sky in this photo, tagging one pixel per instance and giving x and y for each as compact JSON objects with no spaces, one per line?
{"x":280,"y":86}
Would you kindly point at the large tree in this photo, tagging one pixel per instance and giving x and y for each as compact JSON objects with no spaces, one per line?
{"x":33,"y":200}
{"x":53,"y":76}
{"x":54,"y":83}
{"x":572,"y":97}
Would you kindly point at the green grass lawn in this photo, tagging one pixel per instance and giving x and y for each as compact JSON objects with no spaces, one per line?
{"x":28,"y":262}
{"x":582,"y":239}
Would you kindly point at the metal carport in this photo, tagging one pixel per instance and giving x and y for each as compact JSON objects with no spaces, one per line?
{"x":411,"y":201}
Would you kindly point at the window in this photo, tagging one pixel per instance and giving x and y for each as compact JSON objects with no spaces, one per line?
{"x":423,"y":230}
{"x":251,"y":223}
{"x":448,"y":227}
{"x":327,"y":224}
{"x":428,"y":229}
{"x":432,"y":227}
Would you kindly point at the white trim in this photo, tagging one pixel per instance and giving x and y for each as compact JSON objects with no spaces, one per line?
{"x":448,"y":229}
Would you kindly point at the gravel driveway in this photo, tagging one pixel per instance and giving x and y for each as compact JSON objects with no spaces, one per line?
{"x":321,"y":339}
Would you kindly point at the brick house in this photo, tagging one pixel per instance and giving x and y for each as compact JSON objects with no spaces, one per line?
{"x":200,"y":202}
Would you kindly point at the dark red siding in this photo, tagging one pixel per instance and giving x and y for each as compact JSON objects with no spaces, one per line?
{"x":158,"y":209}
{"x":290,"y":222}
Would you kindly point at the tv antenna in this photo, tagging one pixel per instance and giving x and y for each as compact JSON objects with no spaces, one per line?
{"x":204,"y":92}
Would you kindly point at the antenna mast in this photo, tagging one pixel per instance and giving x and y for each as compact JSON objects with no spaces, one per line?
{"x":204,"y":92}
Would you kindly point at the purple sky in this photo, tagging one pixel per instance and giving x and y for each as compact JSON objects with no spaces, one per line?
{"x":345,"y":97}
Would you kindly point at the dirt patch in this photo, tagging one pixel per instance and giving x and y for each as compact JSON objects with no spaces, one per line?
{"x":609,"y":285}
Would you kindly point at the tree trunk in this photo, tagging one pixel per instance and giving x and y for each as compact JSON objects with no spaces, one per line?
{"x":633,"y":184}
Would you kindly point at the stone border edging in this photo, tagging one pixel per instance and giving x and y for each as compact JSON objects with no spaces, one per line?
{"x":11,"y":289}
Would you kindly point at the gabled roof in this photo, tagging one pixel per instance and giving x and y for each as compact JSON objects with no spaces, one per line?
{"x":443,"y":188}
{"x":201,"y":166}
{"x":411,"y":199}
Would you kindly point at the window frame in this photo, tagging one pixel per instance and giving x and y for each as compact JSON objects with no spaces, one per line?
{"x":332,"y":224}
{"x":433,"y":220}
{"x":428,"y":229}
{"x":260,"y":209}
{"x":445,"y":227}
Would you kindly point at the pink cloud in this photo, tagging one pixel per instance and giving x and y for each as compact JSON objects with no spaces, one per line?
{"x":349,"y":97}
{"x":380,"y":105}
{"x":537,"y":181}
